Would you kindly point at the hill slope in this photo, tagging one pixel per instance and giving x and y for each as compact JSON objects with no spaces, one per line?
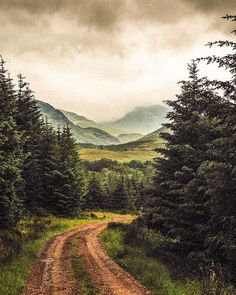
{"x":148,"y":142}
{"x":85,"y":123}
{"x":141,"y":150}
{"x":142,"y":119}
{"x":81,"y":135}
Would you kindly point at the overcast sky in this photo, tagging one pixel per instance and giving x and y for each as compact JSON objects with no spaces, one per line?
{"x":102,"y":58}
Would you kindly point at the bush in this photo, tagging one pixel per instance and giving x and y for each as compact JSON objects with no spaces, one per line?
{"x":10,"y":243}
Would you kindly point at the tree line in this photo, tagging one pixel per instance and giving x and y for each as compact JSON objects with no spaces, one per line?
{"x":194,"y":189}
{"x":40,"y":171}
{"x":117,"y":186}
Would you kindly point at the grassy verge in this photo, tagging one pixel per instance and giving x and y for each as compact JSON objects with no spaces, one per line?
{"x":153,"y":274}
{"x":82,"y":280}
{"x":14,"y":272}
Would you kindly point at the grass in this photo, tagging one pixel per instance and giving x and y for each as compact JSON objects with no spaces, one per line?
{"x":82,"y":280}
{"x":120,"y":156}
{"x":149,"y":271}
{"x":13,"y":274}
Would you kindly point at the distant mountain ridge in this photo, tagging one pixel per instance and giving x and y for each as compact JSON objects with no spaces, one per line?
{"x":122,"y":135}
{"x":142,"y":119}
{"x":150,"y":141}
{"x":81,"y":135}
{"x":86,"y":131}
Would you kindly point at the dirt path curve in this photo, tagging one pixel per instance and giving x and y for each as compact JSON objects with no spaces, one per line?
{"x":50,"y":274}
{"x":111,"y":278}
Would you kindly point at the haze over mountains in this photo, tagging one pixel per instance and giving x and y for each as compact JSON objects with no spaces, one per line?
{"x":142,"y":119}
{"x":83,"y":135}
{"x":129,"y":128}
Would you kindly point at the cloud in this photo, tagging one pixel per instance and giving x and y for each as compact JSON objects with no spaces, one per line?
{"x":213,"y":6}
{"x":104,"y":57}
{"x":107,"y":14}
{"x":102,"y":14}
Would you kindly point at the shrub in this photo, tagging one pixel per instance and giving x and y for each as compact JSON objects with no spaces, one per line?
{"x":10,"y":243}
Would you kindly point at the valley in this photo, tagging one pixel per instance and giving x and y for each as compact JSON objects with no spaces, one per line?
{"x":97,"y":141}
{"x":115,"y":179}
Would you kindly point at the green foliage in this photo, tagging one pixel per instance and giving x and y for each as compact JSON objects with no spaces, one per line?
{"x":118,"y":186}
{"x":40,"y":171}
{"x":67,"y":177}
{"x":99,"y":164}
{"x":137,"y":249}
{"x":11,"y":156}
{"x":150,"y":272}
{"x":94,"y":197}
{"x":14,"y":272}
{"x":193,"y":200}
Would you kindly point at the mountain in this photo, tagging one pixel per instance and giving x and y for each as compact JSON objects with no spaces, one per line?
{"x":55,"y":117}
{"x":84,"y":123}
{"x":142,"y":119}
{"x":81,"y":135}
{"x":124,"y":138}
{"x":153,"y":136}
{"x":148,"y":142}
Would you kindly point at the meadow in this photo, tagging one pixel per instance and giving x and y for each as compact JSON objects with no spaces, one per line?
{"x":120,"y":156}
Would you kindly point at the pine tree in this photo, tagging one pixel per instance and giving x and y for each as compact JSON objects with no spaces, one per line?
{"x":10,"y":154}
{"x":48,"y":167}
{"x":29,"y":123}
{"x":194,"y":195}
{"x":69,"y":181}
{"x":119,"y":199}
{"x":94,"y":196}
{"x":180,"y":208}
{"x":220,"y":170}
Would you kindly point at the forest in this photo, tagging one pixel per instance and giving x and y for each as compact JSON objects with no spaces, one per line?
{"x":184,"y":200}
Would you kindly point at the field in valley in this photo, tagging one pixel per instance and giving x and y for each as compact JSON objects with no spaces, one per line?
{"x":120,"y":156}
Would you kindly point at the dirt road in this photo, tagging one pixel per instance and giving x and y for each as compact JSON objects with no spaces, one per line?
{"x":50,"y":274}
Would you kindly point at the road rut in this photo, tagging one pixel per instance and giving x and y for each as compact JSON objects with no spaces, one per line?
{"x":50,"y":274}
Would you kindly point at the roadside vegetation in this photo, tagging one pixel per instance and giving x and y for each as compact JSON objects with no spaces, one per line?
{"x":15,"y":264}
{"x":139,"y":251}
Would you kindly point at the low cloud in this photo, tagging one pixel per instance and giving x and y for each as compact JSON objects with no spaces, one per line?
{"x":113,"y":54}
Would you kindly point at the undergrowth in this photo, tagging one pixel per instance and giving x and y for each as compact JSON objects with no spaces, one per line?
{"x":133,"y":248}
{"x":34,"y":233}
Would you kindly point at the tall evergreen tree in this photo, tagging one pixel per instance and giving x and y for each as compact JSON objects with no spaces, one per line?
{"x":220,"y":170}
{"x":194,"y":195}
{"x":69,"y":181}
{"x":94,"y":196}
{"x":10,"y":154}
{"x":29,"y":123}
{"x":119,"y":198}
{"x":177,"y":199}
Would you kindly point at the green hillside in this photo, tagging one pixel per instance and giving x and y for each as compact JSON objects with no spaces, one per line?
{"x":81,"y":135}
{"x":124,"y":138}
{"x":85,"y":123}
{"x":142,"y":149}
{"x":153,"y":136}
{"x":86,"y":131}
{"x":148,"y":142}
